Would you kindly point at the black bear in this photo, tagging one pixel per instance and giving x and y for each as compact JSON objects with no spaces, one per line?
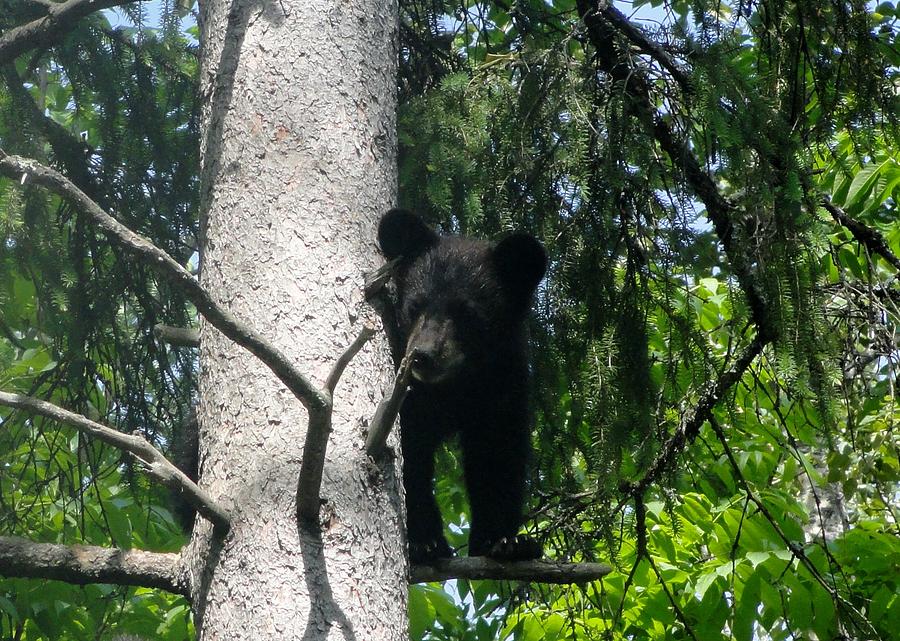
{"x":461,"y":312}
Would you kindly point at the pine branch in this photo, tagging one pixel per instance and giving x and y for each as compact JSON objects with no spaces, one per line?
{"x":49,"y":29}
{"x":85,"y":564}
{"x":602,"y":24}
{"x":482,"y":567}
{"x":142,"y":249}
{"x":136,"y":446}
{"x":637,"y":37}
{"x":68,"y":150}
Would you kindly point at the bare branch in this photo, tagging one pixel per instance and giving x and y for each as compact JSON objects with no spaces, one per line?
{"x":341,"y":364}
{"x":313,"y":399}
{"x":177,"y":336}
{"x":157,"y":465}
{"x":869,"y":238}
{"x":312,"y":465}
{"x":48,"y":29}
{"x":386,"y":414}
{"x":85,"y":564}
{"x":482,"y":567}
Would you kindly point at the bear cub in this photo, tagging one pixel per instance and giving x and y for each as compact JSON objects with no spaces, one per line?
{"x":461,"y":311}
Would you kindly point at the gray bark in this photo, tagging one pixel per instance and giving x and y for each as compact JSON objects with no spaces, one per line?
{"x":298,"y":164}
{"x":84,"y":564}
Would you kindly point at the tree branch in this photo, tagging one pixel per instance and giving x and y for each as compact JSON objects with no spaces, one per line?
{"x":309,"y":483}
{"x":85,"y":564}
{"x":482,"y":567}
{"x":25,"y":169}
{"x":869,"y":238}
{"x":693,"y":419}
{"x":386,"y":414}
{"x":60,"y":18}
{"x":69,"y":151}
{"x":317,"y":402}
{"x":157,"y":465}
{"x":600,"y":21}
{"x":636,"y":36}
{"x":344,"y":359}
{"x":177,"y":336}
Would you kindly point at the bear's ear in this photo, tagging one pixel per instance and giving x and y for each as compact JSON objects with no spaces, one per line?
{"x":402,"y":233}
{"x":521,"y":262}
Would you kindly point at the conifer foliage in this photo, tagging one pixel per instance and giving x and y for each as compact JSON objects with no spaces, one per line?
{"x":716,"y":348}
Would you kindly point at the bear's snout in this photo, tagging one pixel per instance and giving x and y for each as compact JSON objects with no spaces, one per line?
{"x":436,"y":354}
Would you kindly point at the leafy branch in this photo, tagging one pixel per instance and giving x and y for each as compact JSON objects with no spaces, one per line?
{"x":795,"y":549}
{"x":48,"y":29}
{"x":869,"y":238}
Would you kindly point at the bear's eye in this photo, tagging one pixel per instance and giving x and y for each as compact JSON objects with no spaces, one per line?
{"x":464,"y":312}
{"x":415,"y":308}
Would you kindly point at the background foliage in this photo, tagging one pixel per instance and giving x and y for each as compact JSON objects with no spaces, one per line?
{"x":776,"y":519}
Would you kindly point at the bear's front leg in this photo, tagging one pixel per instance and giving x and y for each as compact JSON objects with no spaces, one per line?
{"x":424,"y":527}
{"x":496,"y":466}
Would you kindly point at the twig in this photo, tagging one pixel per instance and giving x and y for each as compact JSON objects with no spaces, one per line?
{"x":85,"y":564}
{"x":157,"y":465}
{"x":177,"y":336}
{"x":869,"y":238}
{"x":341,"y":364}
{"x":386,"y":414}
{"x":60,"y":18}
{"x":482,"y":567}
{"x":679,"y":613}
{"x":795,"y":549}
{"x":316,"y":401}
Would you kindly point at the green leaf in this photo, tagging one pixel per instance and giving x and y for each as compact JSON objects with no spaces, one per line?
{"x":421,"y":612}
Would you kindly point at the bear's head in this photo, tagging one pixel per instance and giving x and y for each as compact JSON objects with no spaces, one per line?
{"x":462,"y":302}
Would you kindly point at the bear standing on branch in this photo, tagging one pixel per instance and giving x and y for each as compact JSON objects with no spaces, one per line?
{"x":462,"y":307}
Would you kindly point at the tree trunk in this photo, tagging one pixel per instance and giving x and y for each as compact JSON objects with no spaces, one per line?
{"x":298,"y":164}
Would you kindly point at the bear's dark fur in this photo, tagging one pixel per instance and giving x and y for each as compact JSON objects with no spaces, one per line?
{"x":462,"y":306}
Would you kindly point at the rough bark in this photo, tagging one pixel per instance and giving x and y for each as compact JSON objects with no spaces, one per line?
{"x":298,"y":164}
{"x":85,"y":564}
